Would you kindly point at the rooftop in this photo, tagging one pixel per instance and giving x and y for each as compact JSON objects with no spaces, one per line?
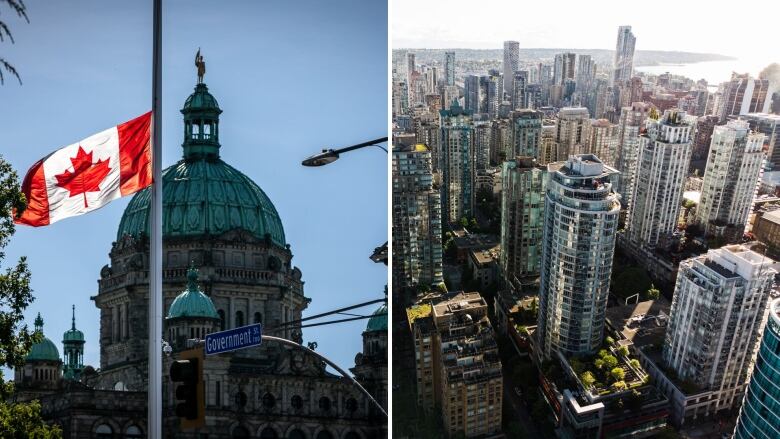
{"x":772,"y":216}
{"x":485,"y":257}
{"x":459,"y":301}
{"x":642,"y":323}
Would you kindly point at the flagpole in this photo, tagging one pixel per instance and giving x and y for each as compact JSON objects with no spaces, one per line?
{"x":155,"y":244}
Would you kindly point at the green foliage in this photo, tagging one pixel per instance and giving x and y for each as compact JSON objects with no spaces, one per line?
{"x":24,"y":420}
{"x":599,"y":363}
{"x":634,"y":363}
{"x":464,"y":222}
{"x":603,"y":353}
{"x":653,"y":293}
{"x":623,"y":350}
{"x":617,"y":374}
{"x":473,"y":226}
{"x":17,"y":420}
{"x":610,"y":362}
{"x":587,"y":379}
{"x":610,"y":341}
{"x":618,"y":386}
{"x":576,"y":365}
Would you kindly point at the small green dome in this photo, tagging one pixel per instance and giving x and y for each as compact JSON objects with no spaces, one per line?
{"x":73,"y":334}
{"x":46,"y":350}
{"x":192,"y":302}
{"x":201,"y":99}
{"x":378,"y":321}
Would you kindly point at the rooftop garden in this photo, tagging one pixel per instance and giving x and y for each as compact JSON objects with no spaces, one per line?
{"x":418,"y":311}
{"x":611,"y":370}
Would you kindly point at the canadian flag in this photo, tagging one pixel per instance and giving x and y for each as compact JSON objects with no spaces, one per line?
{"x":87,"y":175}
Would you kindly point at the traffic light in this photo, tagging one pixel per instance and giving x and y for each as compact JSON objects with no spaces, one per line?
{"x":188,"y":371}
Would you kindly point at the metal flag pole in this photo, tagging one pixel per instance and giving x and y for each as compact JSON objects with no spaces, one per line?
{"x":155,"y":244}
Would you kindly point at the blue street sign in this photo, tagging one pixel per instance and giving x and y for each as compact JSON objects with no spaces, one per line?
{"x":233,"y":339}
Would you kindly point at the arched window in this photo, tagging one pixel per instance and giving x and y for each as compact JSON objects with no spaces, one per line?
{"x":268,"y":433}
{"x":325,"y":404}
{"x":104,"y":431}
{"x":351,"y":404}
{"x":258,"y":318}
{"x":239,"y":318}
{"x":221,"y":314}
{"x":133,"y":432}
{"x":324,"y":434}
{"x":296,"y":402}
{"x":240,"y":433}
{"x":296,"y":434}
{"x":269,"y":401}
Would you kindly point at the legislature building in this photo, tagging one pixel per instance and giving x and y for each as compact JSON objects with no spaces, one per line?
{"x":226,"y":264}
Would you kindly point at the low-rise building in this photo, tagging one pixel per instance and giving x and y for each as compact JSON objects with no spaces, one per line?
{"x":484,"y":266}
{"x":458,"y":366}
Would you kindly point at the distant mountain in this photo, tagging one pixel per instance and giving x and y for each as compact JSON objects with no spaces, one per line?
{"x":601,"y":56}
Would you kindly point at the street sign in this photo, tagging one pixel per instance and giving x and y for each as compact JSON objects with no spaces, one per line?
{"x":232,"y":339}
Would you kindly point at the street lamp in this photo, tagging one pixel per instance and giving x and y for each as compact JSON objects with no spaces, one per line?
{"x":331,"y":155}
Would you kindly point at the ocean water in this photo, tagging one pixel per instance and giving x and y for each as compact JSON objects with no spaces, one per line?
{"x":714,"y":72}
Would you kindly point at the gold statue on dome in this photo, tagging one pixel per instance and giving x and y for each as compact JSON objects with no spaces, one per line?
{"x":201,"y":65}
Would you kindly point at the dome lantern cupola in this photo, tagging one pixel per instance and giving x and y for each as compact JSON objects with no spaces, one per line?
{"x":201,"y":125}
{"x":201,"y":120}
{"x":73,"y":347}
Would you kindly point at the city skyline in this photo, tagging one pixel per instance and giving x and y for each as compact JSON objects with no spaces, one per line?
{"x":594,"y":27}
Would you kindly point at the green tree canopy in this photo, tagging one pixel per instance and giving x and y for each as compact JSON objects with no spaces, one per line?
{"x":617,"y":374}
{"x":610,"y":362}
{"x":16,"y":419}
{"x":587,"y":379}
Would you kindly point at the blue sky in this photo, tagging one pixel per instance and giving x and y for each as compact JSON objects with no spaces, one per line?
{"x":291,"y":78}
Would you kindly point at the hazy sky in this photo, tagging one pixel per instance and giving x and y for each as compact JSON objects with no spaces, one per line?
{"x":291,"y":78}
{"x":680,"y":25}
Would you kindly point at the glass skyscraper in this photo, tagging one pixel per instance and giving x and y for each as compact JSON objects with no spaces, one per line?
{"x":760,"y":413}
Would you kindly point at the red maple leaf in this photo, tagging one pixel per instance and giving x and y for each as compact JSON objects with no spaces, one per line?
{"x":86,"y":176}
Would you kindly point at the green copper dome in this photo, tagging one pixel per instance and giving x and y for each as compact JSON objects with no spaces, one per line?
{"x":192,"y":302}
{"x":46,"y":350}
{"x":378,"y":321}
{"x":201,"y":100}
{"x":202,"y":195}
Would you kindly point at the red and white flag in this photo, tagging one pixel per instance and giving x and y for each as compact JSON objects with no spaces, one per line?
{"x":89,"y":174}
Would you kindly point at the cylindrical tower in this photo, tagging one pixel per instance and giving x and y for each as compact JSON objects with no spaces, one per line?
{"x":760,"y":413}
{"x":580,"y":222}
